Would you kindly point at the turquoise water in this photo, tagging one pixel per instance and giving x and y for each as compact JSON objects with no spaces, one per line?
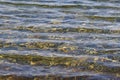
{"x":60,"y":39}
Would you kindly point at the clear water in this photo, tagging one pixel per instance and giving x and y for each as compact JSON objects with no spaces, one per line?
{"x":60,"y":39}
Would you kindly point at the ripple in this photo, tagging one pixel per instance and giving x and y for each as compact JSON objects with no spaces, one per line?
{"x":59,"y":40}
{"x":69,"y":29}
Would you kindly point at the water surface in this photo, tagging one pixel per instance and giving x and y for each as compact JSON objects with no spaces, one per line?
{"x":60,"y":39}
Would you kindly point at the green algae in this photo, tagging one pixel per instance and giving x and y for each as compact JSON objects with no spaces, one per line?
{"x":55,"y":46}
{"x":46,"y":77}
{"x":40,"y":45}
{"x":36,"y":60}
{"x":65,"y":30}
{"x":111,"y":19}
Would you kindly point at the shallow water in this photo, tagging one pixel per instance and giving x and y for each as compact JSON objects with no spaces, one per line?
{"x":60,"y":39}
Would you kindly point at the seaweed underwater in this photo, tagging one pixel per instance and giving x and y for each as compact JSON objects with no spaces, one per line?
{"x":59,"y":40}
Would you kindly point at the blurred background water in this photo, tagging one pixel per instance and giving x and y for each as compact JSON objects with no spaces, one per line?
{"x":60,"y":39}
